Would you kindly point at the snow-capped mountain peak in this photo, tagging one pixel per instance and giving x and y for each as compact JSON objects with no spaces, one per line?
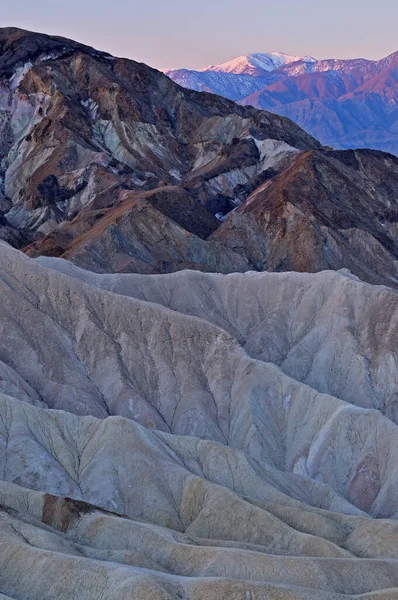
{"x":256,"y":63}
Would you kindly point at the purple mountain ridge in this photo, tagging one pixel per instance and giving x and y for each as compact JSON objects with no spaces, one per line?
{"x":344,"y":103}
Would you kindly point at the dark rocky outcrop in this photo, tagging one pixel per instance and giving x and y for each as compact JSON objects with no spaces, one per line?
{"x":326,"y":210}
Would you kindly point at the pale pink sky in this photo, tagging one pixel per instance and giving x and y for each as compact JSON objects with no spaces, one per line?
{"x":186,"y":33}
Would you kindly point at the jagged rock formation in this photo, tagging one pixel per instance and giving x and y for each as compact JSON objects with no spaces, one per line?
{"x":325,"y":211}
{"x":109,"y":164}
{"x":217,"y":436}
{"x":82,"y":133}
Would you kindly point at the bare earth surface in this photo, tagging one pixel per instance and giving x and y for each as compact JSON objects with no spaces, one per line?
{"x":209,"y":436}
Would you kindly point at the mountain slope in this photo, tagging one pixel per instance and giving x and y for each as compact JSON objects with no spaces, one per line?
{"x":110,"y":164}
{"x":342,"y":109}
{"x":328,"y":210}
{"x":343,"y":103}
{"x":79,"y":129}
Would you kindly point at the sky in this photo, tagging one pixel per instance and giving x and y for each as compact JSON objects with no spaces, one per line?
{"x":194,"y":34}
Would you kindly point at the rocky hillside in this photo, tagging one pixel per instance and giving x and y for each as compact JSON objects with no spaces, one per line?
{"x":343,"y":103}
{"x":83,"y":133}
{"x":196,"y":435}
{"x":175,"y":434}
{"x":108,"y":163}
{"x":326,"y":210}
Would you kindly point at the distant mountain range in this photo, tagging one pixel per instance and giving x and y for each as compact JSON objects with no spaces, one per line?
{"x":344,"y":103}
